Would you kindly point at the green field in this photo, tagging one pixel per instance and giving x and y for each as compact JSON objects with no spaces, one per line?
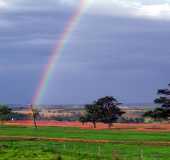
{"x":124,"y":145}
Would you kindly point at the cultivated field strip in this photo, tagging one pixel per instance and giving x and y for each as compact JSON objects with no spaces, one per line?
{"x":28,"y":138}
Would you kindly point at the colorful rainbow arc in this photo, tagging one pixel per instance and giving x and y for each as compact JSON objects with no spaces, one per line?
{"x":64,"y":37}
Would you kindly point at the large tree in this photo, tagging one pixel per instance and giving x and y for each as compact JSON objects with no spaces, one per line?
{"x":110,"y":111}
{"x":103,"y":110}
{"x":163,"y":111}
{"x":5,"y":113}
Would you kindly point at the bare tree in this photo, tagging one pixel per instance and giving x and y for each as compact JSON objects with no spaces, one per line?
{"x":35,"y":114}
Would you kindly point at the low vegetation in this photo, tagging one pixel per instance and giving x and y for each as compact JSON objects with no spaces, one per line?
{"x":124,"y":144}
{"x":66,"y":143}
{"x":5,"y":113}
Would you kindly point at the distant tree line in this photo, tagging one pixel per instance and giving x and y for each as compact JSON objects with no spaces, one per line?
{"x":105,"y":110}
{"x":5,"y":113}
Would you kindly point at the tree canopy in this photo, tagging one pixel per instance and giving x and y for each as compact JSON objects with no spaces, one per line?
{"x":104,"y":110}
{"x":109,"y":109}
{"x":162,"y":112}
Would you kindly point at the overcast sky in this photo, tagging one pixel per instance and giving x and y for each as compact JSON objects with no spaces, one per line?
{"x":119,"y":48}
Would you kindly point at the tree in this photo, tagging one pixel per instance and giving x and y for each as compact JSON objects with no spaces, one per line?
{"x":103,"y":110}
{"x":5,"y":113}
{"x":35,"y":114}
{"x":92,"y":113}
{"x":162,"y":112}
{"x":110,"y":111}
{"x":83,"y":119}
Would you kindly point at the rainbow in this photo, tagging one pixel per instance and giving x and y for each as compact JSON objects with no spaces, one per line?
{"x":60,"y":45}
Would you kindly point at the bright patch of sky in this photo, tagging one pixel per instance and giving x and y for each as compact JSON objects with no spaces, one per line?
{"x":142,"y":8}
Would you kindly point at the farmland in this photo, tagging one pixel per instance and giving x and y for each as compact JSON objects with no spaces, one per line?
{"x":74,"y":143}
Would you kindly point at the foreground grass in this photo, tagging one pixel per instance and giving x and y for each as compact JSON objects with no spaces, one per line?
{"x":28,"y":150}
{"x":41,"y":150}
{"x":49,"y":150}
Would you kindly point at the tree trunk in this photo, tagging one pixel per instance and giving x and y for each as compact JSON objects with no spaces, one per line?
{"x":35,"y":124}
{"x":94,"y":124}
{"x":110,"y":125}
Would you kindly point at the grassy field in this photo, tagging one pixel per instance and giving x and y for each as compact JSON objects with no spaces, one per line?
{"x":147,"y":146}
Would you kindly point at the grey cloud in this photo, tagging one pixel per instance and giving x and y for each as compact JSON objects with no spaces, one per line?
{"x":105,"y":55}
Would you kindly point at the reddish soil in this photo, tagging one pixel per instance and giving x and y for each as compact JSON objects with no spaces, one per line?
{"x":118,"y":126}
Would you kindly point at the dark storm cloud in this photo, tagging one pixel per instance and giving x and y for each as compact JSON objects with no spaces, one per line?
{"x":130,"y":61}
{"x":105,"y":55}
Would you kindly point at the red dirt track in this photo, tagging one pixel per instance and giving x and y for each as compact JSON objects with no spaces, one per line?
{"x":118,"y":126}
